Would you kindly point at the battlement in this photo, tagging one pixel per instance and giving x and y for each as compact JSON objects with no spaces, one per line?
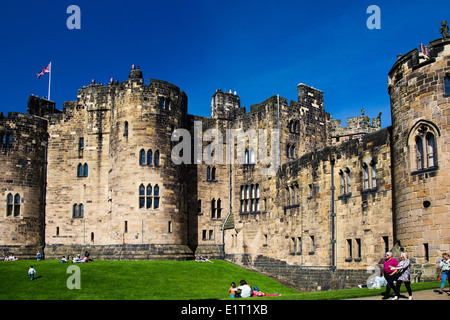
{"x":416,"y":59}
{"x":356,"y":128}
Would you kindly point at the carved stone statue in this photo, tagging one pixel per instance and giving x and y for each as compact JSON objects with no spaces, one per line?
{"x":444,"y":30}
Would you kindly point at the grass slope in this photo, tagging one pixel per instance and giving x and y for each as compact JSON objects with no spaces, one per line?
{"x":149,"y":280}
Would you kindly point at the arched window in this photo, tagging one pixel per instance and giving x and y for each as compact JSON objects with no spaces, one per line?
{"x":247,"y":157}
{"x":208,"y":174}
{"x":81,"y":213}
{"x":149,"y":196}
{"x":292,"y":151}
{"x":374,"y":174}
{"x":156,"y":197}
{"x":342,"y":181}
{"x":16,"y":205}
{"x":213,"y":173}
{"x":75,"y":211}
{"x":423,"y":145}
{"x":142,"y":157}
{"x":419,"y":153}
{"x":141,"y":196}
{"x":349,"y":180}
{"x":252,"y":156}
{"x":213,"y":208}
{"x":9,"y":205}
{"x":199,"y":206}
{"x":365,"y":176}
{"x":85,"y":170}
{"x":157,"y":158}
{"x":219,"y":208}
{"x":125,"y":133}
{"x":80,"y":170}
{"x":149,"y":157}
{"x":430,"y":149}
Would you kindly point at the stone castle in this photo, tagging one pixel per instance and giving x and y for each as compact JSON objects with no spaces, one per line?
{"x":102,"y":175}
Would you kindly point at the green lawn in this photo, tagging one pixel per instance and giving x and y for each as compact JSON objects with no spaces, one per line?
{"x":149,"y":280}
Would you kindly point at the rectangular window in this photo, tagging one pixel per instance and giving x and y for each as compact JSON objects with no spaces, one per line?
{"x":349,"y":249}
{"x":299,"y":247}
{"x":313,"y":246}
{"x":386,"y":244}
{"x":358,"y":248}
{"x":374,"y":175}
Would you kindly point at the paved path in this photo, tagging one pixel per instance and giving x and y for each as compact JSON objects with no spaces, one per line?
{"x":417,"y":295}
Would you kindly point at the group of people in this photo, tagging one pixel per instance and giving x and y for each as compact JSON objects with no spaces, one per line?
{"x":11,"y":257}
{"x":397,"y":273}
{"x":246,"y":291}
{"x":79,"y":258}
{"x":202,"y":259}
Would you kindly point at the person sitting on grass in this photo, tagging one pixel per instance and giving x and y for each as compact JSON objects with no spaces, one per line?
{"x":257,"y":293}
{"x":245,"y":289}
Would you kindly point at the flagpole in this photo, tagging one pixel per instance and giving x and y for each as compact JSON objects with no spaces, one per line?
{"x":49,"y":79}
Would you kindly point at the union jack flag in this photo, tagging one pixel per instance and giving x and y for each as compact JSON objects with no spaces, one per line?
{"x":47,"y":69}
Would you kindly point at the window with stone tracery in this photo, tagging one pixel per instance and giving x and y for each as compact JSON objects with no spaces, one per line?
{"x":423,"y":147}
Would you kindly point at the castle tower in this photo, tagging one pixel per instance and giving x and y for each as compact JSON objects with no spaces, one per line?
{"x":225,"y":105}
{"x":132,"y":193}
{"x":419,"y":91}
{"x":23,"y":140}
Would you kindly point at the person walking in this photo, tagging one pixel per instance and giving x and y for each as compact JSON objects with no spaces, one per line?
{"x":31,"y":272}
{"x":389,"y":275}
{"x":403,"y":275}
{"x":444,"y":264}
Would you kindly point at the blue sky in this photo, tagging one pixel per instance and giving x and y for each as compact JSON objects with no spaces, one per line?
{"x":257,"y":48}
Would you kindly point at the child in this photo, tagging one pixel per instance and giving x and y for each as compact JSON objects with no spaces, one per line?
{"x":31,"y":272}
{"x":233,"y":291}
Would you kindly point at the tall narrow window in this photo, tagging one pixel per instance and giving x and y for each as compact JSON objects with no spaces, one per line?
{"x":141,"y":196}
{"x":419,"y":153}
{"x":9,"y":205}
{"x":213,"y":208}
{"x":252,"y":156}
{"x":80,"y":170}
{"x":247,"y":198}
{"x":213,"y":173}
{"x":149,"y":157}
{"x":252,"y":199}
{"x":16,"y":205}
{"x":85,"y":170}
{"x":75,"y":211}
{"x":342,"y":181}
{"x":447,"y":84}
{"x":208,"y":173}
{"x":349,"y":249}
{"x":349,"y":180}
{"x":365,"y":176}
{"x":156,"y":197}
{"x":257,"y":197}
{"x":313,"y":245}
{"x":199,"y":206}
{"x":242,"y":199}
{"x":157,"y":158}
{"x":430,"y":150}
{"x":219,"y":209}
{"x":125,"y":131}
{"x":81,"y":144}
{"x":142,"y":157}
{"x":374,"y":175}
{"x":81,"y":213}
{"x":288,"y":197}
{"x":149,"y":197}
{"x":358,"y":248}
{"x":247,"y":157}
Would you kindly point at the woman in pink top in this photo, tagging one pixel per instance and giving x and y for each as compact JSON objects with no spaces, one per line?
{"x":389,"y":274}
